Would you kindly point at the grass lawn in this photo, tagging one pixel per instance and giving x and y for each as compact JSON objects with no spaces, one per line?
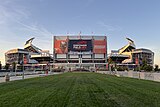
{"x":80,"y":89}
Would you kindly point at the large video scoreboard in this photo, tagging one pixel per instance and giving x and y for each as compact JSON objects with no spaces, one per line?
{"x":79,"y":45}
{"x":67,"y":44}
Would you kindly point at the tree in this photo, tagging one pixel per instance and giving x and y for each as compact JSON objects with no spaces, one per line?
{"x":0,"y":65}
{"x":149,"y":68}
{"x":111,"y":64}
{"x":14,"y":66}
{"x":110,"y":61}
{"x":145,"y":66}
{"x":7,"y":66}
{"x":156,"y":68}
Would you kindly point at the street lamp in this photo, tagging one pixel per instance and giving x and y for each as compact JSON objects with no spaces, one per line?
{"x":22,"y":63}
{"x":23,"y":67}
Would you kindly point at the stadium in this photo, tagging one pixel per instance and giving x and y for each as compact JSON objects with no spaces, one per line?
{"x":80,"y":52}
{"x":31,"y":57}
{"x":69,"y":53}
{"x":131,"y":57}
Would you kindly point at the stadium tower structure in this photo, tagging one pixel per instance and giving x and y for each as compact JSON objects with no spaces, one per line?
{"x":131,"y":57}
{"x":42,"y":56}
{"x":31,"y":57}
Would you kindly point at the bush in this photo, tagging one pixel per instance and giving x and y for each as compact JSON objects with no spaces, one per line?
{"x":122,"y":68}
{"x":147,"y":68}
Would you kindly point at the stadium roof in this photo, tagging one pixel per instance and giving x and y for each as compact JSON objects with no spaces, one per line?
{"x":30,"y":47}
{"x":128,"y":47}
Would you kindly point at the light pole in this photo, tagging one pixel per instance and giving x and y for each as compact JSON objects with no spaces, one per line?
{"x":15,"y":69}
{"x":23,"y":67}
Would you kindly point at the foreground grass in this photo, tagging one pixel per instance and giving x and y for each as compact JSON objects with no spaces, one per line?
{"x":80,"y":89}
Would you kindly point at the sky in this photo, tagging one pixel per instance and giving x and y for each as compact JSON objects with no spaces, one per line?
{"x":117,"y":19}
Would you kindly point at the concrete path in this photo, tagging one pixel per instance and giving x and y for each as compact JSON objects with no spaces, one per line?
{"x":13,"y":78}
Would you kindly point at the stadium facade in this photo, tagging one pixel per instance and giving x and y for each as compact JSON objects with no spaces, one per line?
{"x":131,"y":57}
{"x":31,"y":57}
{"x":80,"y":52}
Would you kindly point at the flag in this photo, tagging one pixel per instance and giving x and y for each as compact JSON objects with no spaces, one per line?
{"x":80,"y":35}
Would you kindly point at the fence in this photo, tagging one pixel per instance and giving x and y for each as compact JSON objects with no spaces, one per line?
{"x":2,"y":74}
{"x":134,"y":74}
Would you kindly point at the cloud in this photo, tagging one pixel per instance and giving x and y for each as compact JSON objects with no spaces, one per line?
{"x":13,"y":14}
{"x":109,"y":27}
{"x":9,"y":10}
{"x":35,"y":28}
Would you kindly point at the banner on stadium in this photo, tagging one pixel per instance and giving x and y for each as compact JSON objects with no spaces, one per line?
{"x":25,"y":59}
{"x":60,"y":46}
{"x":137,"y":61}
{"x":99,"y":46}
{"x":80,"y":45}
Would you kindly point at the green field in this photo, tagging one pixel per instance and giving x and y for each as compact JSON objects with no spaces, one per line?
{"x":80,"y":89}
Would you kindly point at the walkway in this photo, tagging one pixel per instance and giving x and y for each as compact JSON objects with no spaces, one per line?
{"x":13,"y":78}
